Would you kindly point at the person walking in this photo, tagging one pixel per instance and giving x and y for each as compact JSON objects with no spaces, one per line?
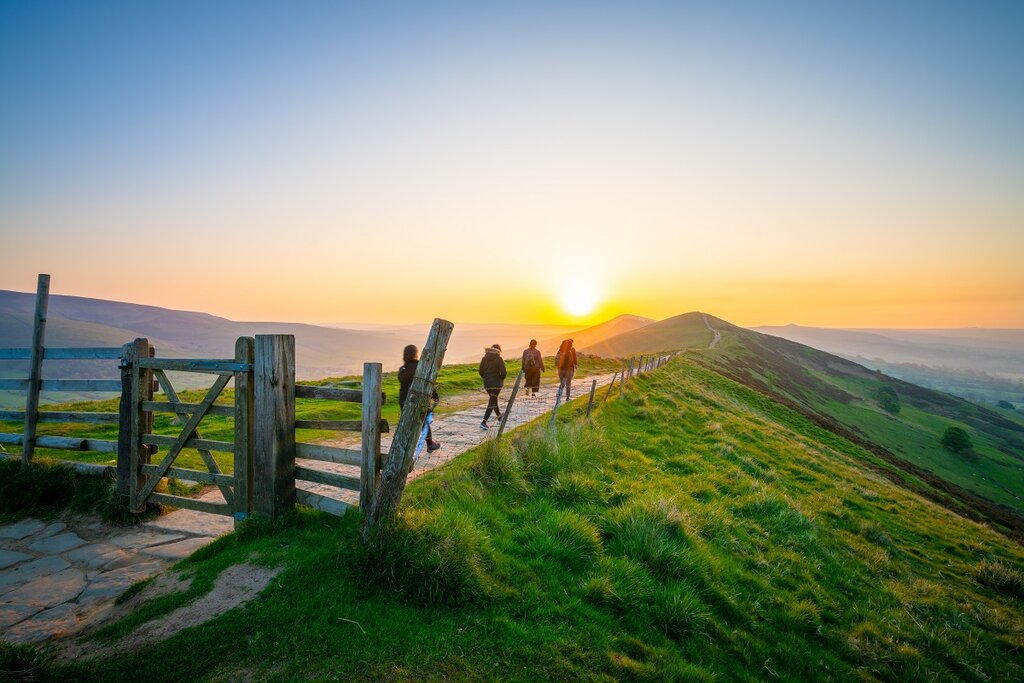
{"x":565,"y":361}
{"x":533,"y":365}
{"x":410,"y":359}
{"x":492,"y":370}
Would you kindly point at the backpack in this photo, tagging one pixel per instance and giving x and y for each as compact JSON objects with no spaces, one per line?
{"x":530,"y":363}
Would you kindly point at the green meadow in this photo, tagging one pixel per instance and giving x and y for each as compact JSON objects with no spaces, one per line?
{"x":694,"y":530}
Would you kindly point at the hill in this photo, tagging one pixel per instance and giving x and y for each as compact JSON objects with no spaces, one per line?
{"x":978,"y":364}
{"x":590,"y":336}
{"x":697,"y":530}
{"x":682,"y":331}
{"x":844,"y":395}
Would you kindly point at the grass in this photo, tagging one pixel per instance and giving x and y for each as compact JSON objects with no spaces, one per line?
{"x":695,"y":530}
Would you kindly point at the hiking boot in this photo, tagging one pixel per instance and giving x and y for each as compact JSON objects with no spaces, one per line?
{"x":433,"y":446}
{"x":483,"y":425}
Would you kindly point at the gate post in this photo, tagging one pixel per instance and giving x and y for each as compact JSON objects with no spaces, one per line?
{"x":371,"y":435}
{"x":244,"y":437}
{"x":135,"y":422}
{"x":35,"y":377}
{"x":274,"y":429}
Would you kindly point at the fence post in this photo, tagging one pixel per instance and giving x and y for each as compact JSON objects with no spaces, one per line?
{"x":610,"y":386}
{"x":558,"y":400}
{"x":244,"y":430}
{"x":35,"y":372}
{"x":590,"y":403}
{"x":371,"y":434}
{"x":410,"y":424}
{"x":508,"y":406}
{"x":140,"y":421}
{"x":126,"y":415}
{"x":273,"y":490}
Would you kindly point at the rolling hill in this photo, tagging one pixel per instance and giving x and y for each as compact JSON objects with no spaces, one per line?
{"x":596,"y":334}
{"x":679,"y":332}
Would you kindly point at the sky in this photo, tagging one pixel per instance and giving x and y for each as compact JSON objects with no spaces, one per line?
{"x":835,"y":164}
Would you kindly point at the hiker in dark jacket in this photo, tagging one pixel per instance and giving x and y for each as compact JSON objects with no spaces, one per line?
{"x":565,"y":361}
{"x":411,"y":359}
{"x":492,"y":370}
{"x":533,"y":365}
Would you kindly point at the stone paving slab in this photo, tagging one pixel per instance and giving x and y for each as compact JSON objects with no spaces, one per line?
{"x":49,"y":591}
{"x":142,"y":539}
{"x":192,"y":522}
{"x":180,"y":549}
{"x":44,"y":625}
{"x":27,"y":571}
{"x":21,"y":529}
{"x":9,"y":557}
{"x":57,"y":544}
{"x":109,"y":585}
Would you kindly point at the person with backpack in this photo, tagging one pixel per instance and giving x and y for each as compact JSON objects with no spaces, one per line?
{"x":533,"y":365}
{"x":492,"y":370}
{"x":565,"y":361}
{"x":411,"y":359}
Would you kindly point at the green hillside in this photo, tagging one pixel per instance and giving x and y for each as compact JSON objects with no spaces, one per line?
{"x":680,"y":332}
{"x":845,"y":396}
{"x":697,"y":530}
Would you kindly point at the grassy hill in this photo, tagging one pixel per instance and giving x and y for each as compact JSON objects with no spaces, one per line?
{"x":697,"y":530}
{"x":679,"y":332}
{"x":590,"y":336}
{"x":844,"y":395}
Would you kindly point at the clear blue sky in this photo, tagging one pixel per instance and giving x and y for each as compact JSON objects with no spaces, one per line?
{"x":773,"y":151}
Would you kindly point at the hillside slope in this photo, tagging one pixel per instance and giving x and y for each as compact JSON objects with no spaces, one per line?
{"x":679,"y":332}
{"x":696,"y":530}
{"x":845,"y":394}
{"x":590,"y":336}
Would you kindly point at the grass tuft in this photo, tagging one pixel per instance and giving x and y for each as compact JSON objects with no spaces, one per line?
{"x":435,"y":557}
{"x":1001,"y":578}
{"x":678,"y":612}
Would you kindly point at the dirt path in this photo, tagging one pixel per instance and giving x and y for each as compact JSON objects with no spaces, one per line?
{"x":718,"y":335}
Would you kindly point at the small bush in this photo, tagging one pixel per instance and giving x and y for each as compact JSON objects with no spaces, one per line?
{"x":1001,"y":578}
{"x":957,"y":440}
{"x":888,"y":399}
{"x":435,"y":557}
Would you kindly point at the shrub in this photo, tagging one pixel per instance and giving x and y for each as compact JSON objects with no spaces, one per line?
{"x":956,"y":439}
{"x":888,"y":399}
{"x":1006,"y":405}
{"x":436,"y":557}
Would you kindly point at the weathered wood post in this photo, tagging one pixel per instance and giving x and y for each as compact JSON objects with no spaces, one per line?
{"x":629,"y":375}
{"x":590,"y":402}
{"x":610,"y":386}
{"x":274,"y":432}
{"x":244,"y":429}
{"x":410,"y":424}
{"x":508,"y":406}
{"x":140,"y":422}
{"x":35,"y":371}
{"x":370,"y":447}
{"x":558,"y":401}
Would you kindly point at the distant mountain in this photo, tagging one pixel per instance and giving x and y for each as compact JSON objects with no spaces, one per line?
{"x":79,"y":321}
{"x":589,"y":336}
{"x":682,"y":331}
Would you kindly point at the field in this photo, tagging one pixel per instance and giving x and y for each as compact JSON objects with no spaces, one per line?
{"x":696,"y":530}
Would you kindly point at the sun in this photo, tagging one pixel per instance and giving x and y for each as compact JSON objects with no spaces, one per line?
{"x":579,"y":297}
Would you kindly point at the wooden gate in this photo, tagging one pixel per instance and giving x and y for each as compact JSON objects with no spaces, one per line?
{"x":142,"y":444}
